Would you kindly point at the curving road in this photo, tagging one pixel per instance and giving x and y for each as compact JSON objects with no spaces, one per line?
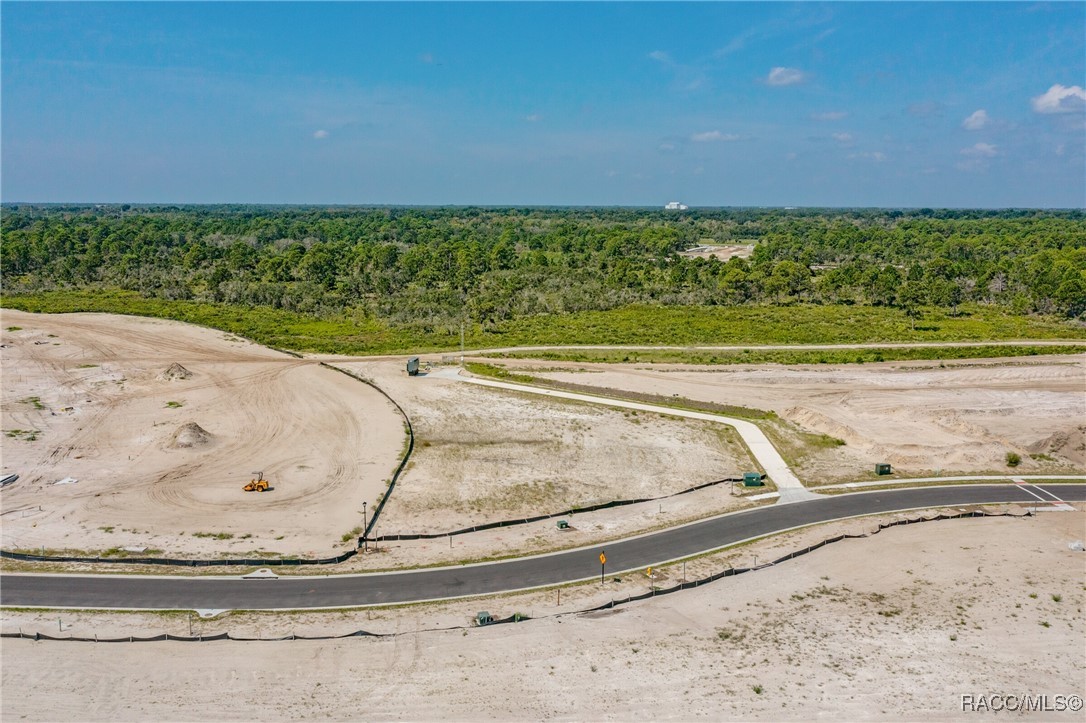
{"x":385,"y":588}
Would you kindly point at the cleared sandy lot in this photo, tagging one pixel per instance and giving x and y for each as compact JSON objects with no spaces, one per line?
{"x":162,"y":423}
{"x":922,"y":417}
{"x":894,"y":626}
{"x":483,"y":455}
{"x":722,"y":253}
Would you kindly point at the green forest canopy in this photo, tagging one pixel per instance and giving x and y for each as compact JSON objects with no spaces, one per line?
{"x":423,"y":271}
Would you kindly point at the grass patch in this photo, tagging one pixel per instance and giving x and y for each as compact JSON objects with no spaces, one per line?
{"x":26,"y":435}
{"x":15,"y":328}
{"x":87,"y":366}
{"x":789,"y":356}
{"x":34,"y":402}
{"x":825,"y":441}
{"x":1013,"y":459}
{"x":497,"y":372}
{"x":353,"y":332}
{"x":795,"y":445}
{"x":174,"y":405}
{"x":352,"y":535}
{"x":674,"y":401}
{"x":215,"y":535}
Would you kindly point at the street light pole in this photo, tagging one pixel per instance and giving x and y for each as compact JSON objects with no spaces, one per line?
{"x":365,"y":542}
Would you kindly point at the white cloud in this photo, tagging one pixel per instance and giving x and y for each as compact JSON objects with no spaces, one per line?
{"x":661,"y":57}
{"x":1060,"y":99}
{"x":785,"y":76}
{"x":533,"y":118}
{"x":876,"y":156}
{"x":976,"y":121}
{"x":710,"y":136}
{"x":980,"y":150}
{"x":427,"y":58}
{"x":321,"y":134}
{"x":667,"y":147}
{"x":842,"y":137}
{"x":831,"y":116}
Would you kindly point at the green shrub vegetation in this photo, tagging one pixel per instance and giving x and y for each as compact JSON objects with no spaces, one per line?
{"x":497,"y":372}
{"x":791,"y":356}
{"x":354,"y":333}
{"x":377,"y":280}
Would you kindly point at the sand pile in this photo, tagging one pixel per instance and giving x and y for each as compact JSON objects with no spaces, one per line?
{"x":190,"y":435}
{"x":1067,"y":445}
{"x":175,"y":371}
{"x":824,"y":424}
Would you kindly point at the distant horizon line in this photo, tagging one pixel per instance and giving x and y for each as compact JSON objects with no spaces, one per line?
{"x":133,"y":204}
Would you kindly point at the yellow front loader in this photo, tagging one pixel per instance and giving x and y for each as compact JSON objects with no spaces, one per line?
{"x":257,"y":485}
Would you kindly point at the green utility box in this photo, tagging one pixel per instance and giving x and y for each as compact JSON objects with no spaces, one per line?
{"x":882,"y":468}
{"x":563,"y":524}
{"x":483,"y":618}
{"x":752,"y":479}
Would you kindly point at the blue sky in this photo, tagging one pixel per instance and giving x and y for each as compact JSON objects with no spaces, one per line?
{"x":712,"y":104}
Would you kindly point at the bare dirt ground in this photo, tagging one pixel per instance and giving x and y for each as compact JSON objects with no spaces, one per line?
{"x":483,"y":455}
{"x":922,"y":417}
{"x":723,"y":253}
{"x":898,"y":625}
{"x":162,"y":423}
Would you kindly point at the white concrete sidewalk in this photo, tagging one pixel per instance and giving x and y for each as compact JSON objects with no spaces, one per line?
{"x":789,"y":486}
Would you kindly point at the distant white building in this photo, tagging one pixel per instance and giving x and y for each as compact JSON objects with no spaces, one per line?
{"x":676,"y":206}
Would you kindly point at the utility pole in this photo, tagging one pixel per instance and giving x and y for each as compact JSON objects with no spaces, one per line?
{"x":461,"y":341}
{"x":365,"y":539}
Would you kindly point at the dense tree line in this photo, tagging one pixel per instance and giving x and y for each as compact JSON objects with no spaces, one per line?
{"x":436,"y":266}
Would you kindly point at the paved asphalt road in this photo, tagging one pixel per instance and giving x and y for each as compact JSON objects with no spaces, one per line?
{"x":382,"y":588}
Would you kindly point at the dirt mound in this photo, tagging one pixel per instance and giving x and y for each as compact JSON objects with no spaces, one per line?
{"x":175,"y":371}
{"x":190,"y":435}
{"x":1069,"y":444}
{"x":816,"y":421}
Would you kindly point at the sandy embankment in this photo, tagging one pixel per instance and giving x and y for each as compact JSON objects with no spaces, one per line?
{"x":898,"y":625}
